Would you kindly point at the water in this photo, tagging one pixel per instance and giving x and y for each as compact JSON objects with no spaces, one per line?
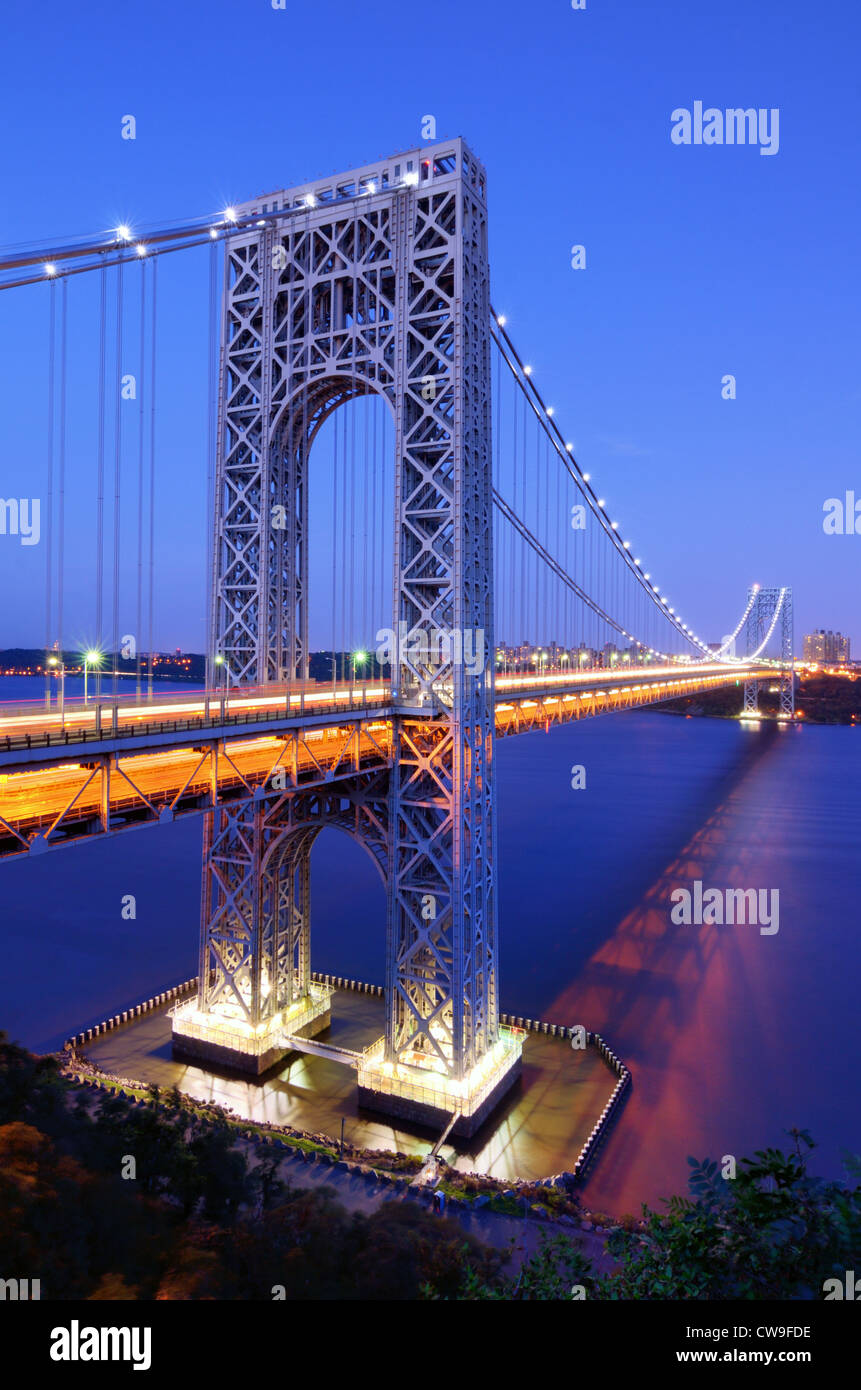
{"x":29,"y":691}
{"x":732,"y":1036}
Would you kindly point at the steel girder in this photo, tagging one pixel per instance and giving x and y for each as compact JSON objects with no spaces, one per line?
{"x":387,"y":293}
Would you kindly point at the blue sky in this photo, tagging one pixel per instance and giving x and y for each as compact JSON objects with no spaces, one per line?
{"x":701,"y":261}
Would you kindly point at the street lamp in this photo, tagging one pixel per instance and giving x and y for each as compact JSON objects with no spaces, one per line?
{"x":91,"y":658}
{"x":58,"y":661}
{"x":358,"y":659}
{"x":219,"y":661}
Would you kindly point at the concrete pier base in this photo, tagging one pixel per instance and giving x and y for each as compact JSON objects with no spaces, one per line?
{"x":235,"y":1045}
{"x":435,"y":1117}
{"x":423,"y":1097}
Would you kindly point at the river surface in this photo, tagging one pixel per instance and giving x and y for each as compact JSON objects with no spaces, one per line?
{"x":732,"y":1035}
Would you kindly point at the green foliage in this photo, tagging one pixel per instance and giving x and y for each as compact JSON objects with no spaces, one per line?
{"x":772,"y":1232}
{"x":556,"y":1272}
{"x":196,"y":1221}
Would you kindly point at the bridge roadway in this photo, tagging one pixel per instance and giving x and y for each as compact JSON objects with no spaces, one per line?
{"x":114,"y":765}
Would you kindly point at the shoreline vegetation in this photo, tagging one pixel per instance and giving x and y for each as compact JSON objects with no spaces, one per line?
{"x":108,"y":1192}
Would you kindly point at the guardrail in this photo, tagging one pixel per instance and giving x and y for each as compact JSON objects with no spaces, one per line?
{"x":64,"y":738}
{"x":157,"y":1001}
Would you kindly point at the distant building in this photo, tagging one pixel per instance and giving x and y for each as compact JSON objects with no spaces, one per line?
{"x":826,"y":647}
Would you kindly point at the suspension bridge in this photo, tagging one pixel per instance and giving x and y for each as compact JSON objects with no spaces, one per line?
{"x":386,"y":483}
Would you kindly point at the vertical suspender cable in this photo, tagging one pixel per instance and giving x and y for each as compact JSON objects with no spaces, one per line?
{"x":592,"y":627}
{"x":500,"y":625}
{"x":49,"y":578}
{"x":299,"y":500}
{"x":387,"y":501}
{"x":560,"y":555}
{"x":367,"y":560}
{"x":351,"y":631}
{"x":118,"y":450}
{"x":152,"y":329}
{"x":545,"y":483}
{"x":512,"y":452}
{"x":342,"y":557}
{"x":141,"y":423}
{"x":536,"y":524}
{"x":528,"y":496}
{"x":517,"y":462}
{"x":211,"y":414}
{"x":100,"y":465}
{"x":376,"y":557}
{"x":61,"y":509}
{"x":334,"y":546}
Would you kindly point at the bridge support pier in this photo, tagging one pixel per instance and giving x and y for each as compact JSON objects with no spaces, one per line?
{"x":255,"y":984}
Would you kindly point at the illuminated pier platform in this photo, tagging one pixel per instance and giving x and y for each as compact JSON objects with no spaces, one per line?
{"x":423,"y":1092}
{"x":538,"y":1127}
{"x":229,"y":1040}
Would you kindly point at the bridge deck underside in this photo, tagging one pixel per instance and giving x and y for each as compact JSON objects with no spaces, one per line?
{"x":50,"y":804}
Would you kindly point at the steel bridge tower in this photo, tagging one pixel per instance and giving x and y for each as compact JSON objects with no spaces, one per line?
{"x":375,"y":280}
{"x":767,"y":608}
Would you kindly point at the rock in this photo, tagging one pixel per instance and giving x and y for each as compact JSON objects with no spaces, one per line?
{"x":585,"y":1225}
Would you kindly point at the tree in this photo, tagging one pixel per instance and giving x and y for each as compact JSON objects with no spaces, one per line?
{"x":773,"y":1231}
